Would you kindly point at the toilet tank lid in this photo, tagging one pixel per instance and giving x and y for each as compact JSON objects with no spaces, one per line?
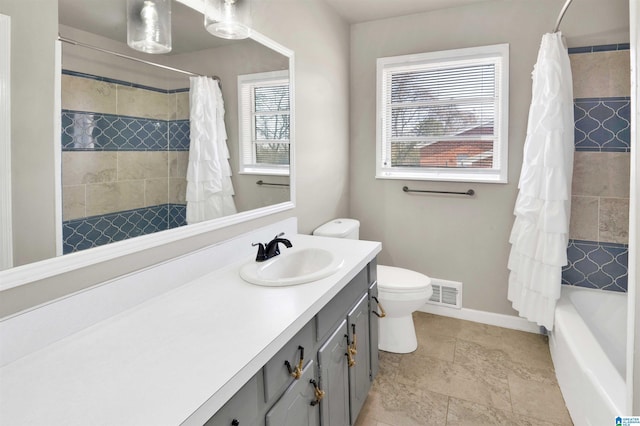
{"x":392,"y":278}
{"x":338,"y":228}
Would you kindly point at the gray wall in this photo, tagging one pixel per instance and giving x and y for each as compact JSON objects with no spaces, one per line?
{"x":458,"y":238}
{"x":320,"y":40}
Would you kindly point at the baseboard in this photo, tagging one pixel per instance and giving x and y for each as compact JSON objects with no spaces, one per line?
{"x":483,"y":317}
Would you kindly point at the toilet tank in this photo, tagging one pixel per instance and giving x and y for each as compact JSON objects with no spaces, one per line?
{"x":340,"y":228}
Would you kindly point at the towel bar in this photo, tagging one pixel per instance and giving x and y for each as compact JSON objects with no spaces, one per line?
{"x":260,"y":182}
{"x":469,"y":192}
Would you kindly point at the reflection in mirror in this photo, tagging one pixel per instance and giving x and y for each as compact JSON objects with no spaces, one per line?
{"x":125,"y":128}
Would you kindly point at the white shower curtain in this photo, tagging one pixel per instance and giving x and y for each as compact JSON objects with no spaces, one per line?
{"x":209,"y":187}
{"x":540,"y":232}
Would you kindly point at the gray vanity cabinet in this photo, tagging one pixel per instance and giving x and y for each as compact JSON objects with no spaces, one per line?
{"x":296,"y":407}
{"x":334,"y":378}
{"x":323,"y":374}
{"x":359,"y":373}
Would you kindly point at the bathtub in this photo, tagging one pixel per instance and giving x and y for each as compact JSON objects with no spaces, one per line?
{"x":588,"y":348}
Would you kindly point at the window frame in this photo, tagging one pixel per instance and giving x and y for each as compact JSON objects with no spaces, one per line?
{"x":498,"y":53}
{"x":246,"y":126}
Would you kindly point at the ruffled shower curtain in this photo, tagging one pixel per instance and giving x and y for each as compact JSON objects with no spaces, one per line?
{"x":209,"y":187}
{"x":540,"y":232}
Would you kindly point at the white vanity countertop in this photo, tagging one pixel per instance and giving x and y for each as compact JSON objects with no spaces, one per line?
{"x":176,"y":358}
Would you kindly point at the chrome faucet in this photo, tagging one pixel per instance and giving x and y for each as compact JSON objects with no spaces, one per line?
{"x":271,"y":249}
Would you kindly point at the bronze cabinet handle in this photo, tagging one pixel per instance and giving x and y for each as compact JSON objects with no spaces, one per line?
{"x":296,"y":372}
{"x":353,"y":348}
{"x":319,"y":393}
{"x":382,"y":313}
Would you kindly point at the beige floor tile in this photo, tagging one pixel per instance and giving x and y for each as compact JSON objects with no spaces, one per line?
{"x":453,"y":379}
{"x":538,"y":400}
{"x":530,"y":365}
{"x":465,"y":373}
{"x":466,"y":413}
{"x":401,"y":405}
{"x":478,"y":357}
{"x":436,"y":345}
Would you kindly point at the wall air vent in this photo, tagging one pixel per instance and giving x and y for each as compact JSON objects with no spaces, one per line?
{"x":446,"y":293}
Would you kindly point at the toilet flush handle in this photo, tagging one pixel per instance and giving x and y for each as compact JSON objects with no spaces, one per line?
{"x":382,"y":313}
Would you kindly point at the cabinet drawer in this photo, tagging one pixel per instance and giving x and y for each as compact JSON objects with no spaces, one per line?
{"x":295,"y":407}
{"x":276,"y":374}
{"x":243,"y":407}
{"x":337,"y":308}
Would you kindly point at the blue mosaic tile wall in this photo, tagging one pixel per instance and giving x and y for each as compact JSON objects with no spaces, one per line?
{"x":601,"y":125}
{"x":94,"y":131}
{"x":106,"y":132}
{"x":81,"y":234}
{"x":597,"y":265}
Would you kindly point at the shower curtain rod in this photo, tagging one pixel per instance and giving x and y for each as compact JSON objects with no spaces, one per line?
{"x":132,"y":58}
{"x":562,"y":12}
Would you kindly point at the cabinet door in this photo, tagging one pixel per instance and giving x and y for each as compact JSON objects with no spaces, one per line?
{"x":242,"y":409}
{"x":373,"y":328}
{"x":359,"y":378}
{"x":334,"y":378}
{"x":295,"y":407}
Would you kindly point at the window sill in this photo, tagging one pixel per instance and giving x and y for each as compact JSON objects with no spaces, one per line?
{"x":448,"y":176}
{"x":265,"y":172}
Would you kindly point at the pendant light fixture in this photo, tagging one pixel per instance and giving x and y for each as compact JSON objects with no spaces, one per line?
{"x":149,"y":25}
{"x":230,"y":19}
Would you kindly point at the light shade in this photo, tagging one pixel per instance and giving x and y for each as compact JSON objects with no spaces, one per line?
{"x":149,"y":25}
{"x":230,"y":19}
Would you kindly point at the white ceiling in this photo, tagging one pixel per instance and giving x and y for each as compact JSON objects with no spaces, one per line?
{"x":354,"y":11}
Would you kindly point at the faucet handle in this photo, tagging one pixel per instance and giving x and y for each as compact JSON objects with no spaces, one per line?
{"x":261,"y":256}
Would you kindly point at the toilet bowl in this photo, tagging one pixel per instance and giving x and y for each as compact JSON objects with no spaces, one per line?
{"x":400,"y":292}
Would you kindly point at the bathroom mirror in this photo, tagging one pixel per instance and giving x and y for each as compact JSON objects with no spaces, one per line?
{"x":126,"y":184}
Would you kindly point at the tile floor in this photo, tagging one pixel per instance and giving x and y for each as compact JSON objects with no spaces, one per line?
{"x":466,"y":373}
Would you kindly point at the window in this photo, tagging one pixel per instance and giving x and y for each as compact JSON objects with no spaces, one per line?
{"x":263,"y":114}
{"x":444,"y":115}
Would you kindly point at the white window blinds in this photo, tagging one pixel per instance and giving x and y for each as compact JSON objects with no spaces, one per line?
{"x":443,"y":115}
{"x":264,"y":116}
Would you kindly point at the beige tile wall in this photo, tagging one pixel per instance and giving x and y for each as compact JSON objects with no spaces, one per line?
{"x":600,"y":193}
{"x":101,"y":182}
{"x":601,"y":74}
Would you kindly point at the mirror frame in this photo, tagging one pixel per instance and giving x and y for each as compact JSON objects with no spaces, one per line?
{"x":6,"y":234}
{"x":24,"y":274}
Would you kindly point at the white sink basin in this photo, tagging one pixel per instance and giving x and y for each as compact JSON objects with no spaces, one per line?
{"x":291,"y":267}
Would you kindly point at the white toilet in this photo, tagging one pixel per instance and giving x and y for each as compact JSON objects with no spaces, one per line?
{"x":400,"y":292}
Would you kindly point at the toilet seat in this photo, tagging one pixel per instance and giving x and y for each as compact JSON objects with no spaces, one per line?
{"x":399,"y":280}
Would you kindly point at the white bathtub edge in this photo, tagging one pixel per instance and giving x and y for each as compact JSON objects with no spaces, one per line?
{"x":583,"y":398}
